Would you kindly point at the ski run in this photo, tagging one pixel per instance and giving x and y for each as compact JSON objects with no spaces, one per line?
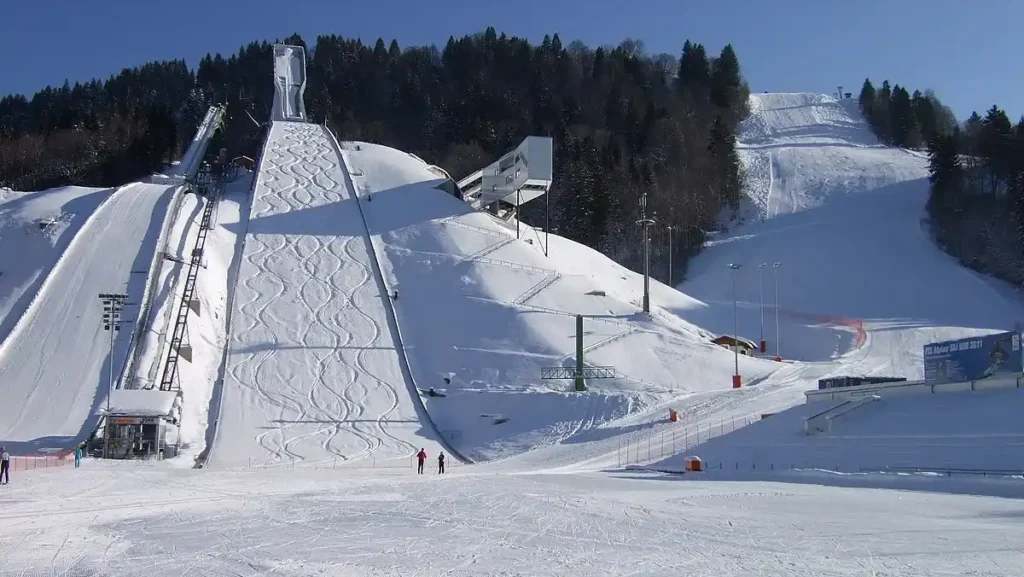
{"x":352,"y":311}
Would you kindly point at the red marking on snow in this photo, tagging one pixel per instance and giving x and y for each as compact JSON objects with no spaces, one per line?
{"x":860,"y":335}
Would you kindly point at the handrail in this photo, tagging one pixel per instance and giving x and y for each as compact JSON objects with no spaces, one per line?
{"x":392,"y":314}
{"x":155,"y":268}
{"x":194,"y":155}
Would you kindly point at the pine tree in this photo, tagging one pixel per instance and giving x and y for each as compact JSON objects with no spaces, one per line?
{"x":725,"y":79}
{"x":946,"y":178}
{"x":902,"y":124}
{"x":694,"y":71}
{"x":996,"y":147}
{"x":866,"y":100}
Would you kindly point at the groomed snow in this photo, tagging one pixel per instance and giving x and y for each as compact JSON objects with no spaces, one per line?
{"x":862,"y":287}
{"x":53,"y":366}
{"x":208,"y":331}
{"x":968,"y":430}
{"x":134,"y":519}
{"x":861,"y":283}
{"x":35,"y":230}
{"x":489,"y":311}
{"x":312,"y":374}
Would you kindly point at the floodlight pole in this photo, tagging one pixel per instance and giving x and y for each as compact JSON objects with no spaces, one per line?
{"x":646,"y":223}
{"x":670,"y":281}
{"x":778,"y":330}
{"x":736,"y":379}
{"x":547,"y":218}
{"x":113,"y":304}
{"x":519,"y":206}
{"x":760,"y":281}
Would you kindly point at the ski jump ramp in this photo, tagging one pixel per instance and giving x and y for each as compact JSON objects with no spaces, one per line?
{"x":54,"y":364}
{"x":312,"y":374}
{"x":289,"y":83}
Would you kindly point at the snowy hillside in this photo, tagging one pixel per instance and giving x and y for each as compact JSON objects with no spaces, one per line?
{"x":35,"y":229}
{"x":53,"y":365}
{"x":489,"y":311}
{"x":861,"y":282}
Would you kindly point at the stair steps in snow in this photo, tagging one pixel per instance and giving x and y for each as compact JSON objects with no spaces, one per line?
{"x":535,"y":289}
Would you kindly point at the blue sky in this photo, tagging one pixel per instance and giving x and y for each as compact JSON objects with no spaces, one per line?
{"x":966,"y":50}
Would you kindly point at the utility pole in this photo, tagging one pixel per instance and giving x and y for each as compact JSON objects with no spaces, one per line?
{"x":113,"y":304}
{"x":670,"y":281}
{"x":547,"y":219}
{"x":519,"y":206}
{"x":737,"y":380}
{"x":760,"y":281}
{"x":778,"y":331}
{"x":646,"y":223}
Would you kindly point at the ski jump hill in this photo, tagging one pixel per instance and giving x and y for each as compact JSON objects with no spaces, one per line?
{"x":365,"y":282}
{"x":60,"y":249}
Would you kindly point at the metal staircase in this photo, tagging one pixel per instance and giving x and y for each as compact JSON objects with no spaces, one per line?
{"x":178,"y":347}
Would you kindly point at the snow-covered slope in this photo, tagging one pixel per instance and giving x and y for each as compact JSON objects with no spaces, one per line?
{"x":35,"y":229}
{"x":862,"y":287}
{"x":861,"y":281}
{"x":969,"y":430}
{"x":53,"y":365}
{"x":488,"y":311}
{"x":312,"y":373}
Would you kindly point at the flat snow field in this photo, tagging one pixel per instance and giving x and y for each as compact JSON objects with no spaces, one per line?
{"x":312,"y":374}
{"x":130,"y":519}
{"x":53,"y":366}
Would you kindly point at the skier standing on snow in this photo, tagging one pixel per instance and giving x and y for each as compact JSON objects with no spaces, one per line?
{"x":78,"y":456}
{"x":440,"y":464}
{"x":421,"y":457}
{"x":5,"y":467}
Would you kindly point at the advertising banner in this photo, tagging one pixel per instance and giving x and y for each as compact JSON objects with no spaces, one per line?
{"x":973,"y":359}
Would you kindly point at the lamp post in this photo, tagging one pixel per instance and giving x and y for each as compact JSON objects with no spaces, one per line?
{"x":778,"y":331}
{"x":737,"y":380}
{"x":670,"y":256}
{"x":760,"y":281}
{"x":113,"y":304}
{"x":646,"y":223}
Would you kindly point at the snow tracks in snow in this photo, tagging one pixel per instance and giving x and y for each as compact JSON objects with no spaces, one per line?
{"x":312,"y":375}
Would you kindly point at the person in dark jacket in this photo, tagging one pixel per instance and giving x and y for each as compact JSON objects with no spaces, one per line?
{"x":421,"y":457}
{"x":440,"y":464}
{"x":5,"y":467}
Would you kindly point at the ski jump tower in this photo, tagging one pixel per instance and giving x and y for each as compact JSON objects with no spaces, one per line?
{"x":289,"y":83}
{"x":519,"y":176}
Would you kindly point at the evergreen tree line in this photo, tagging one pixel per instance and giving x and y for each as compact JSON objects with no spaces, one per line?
{"x":624,"y":123}
{"x":976,"y":207}
{"x":902,"y":119}
{"x":976,"y":174}
{"x":95,"y":133}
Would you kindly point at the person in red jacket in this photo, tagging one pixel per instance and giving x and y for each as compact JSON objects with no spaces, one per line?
{"x":421,"y":457}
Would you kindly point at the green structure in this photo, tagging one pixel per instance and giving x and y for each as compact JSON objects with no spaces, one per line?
{"x":579,"y":373}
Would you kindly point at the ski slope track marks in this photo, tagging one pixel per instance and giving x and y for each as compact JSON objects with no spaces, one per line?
{"x":311,"y":375}
{"x":53,"y":366}
{"x":862,"y":285}
{"x":36,"y":229}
